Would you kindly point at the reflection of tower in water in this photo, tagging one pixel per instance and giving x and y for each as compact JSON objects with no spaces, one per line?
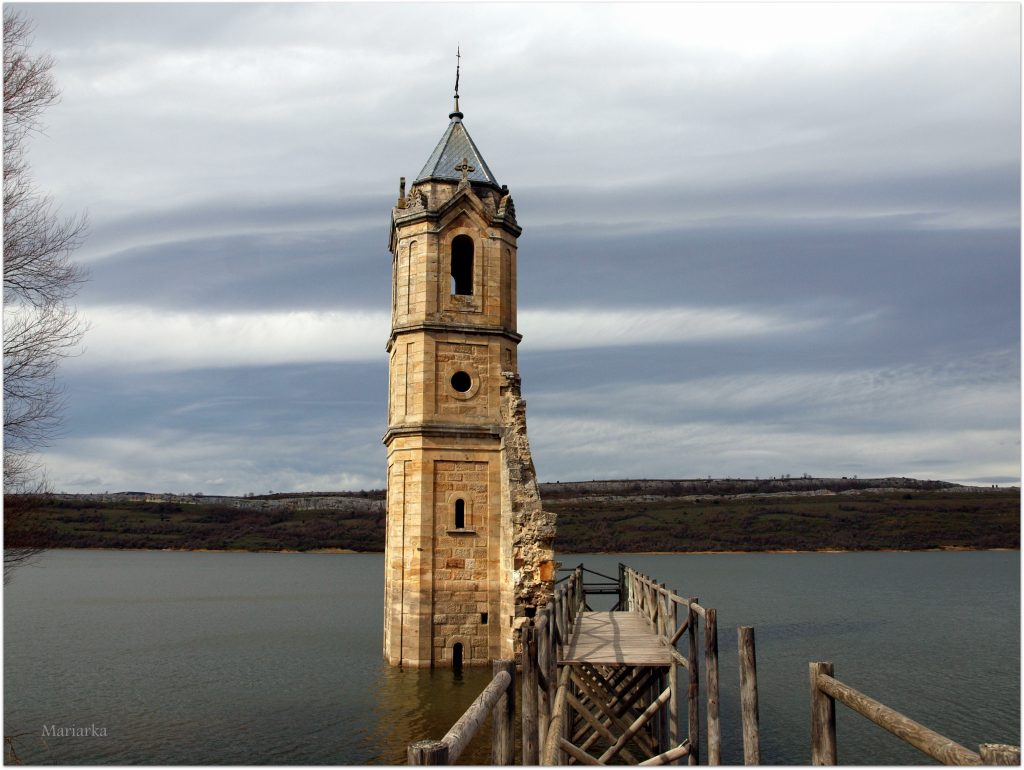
{"x":417,"y":703}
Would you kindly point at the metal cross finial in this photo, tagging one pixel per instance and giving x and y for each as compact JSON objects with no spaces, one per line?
{"x":464,"y":168}
{"x":458,"y":63}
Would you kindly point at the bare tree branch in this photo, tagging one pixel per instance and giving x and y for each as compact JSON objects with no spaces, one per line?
{"x":41,"y":328}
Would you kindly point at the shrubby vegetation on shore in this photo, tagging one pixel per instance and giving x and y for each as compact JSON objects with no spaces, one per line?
{"x":621,"y":516}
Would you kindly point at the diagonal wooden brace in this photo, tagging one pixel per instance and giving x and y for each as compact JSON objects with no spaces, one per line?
{"x":637,"y":725}
{"x":616,"y":721}
{"x":599,"y":728}
{"x":679,"y":632}
{"x":669,"y":756}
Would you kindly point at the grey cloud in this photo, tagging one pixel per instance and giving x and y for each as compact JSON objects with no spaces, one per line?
{"x":934,"y":288}
{"x":111,"y":235}
{"x":308,"y":270}
{"x":245,"y":156}
{"x":257,"y":428}
{"x":974,"y":394}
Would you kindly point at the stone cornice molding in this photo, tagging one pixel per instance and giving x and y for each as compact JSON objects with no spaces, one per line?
{"x":489,"y":331}
{"x":443,"y":429}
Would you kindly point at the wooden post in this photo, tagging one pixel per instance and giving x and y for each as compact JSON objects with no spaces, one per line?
{"x":663,"y":731}
{"x":567,"y":719}
{"x":503,"y":728}
{"x":656,"y":609}
{"x":711,"y":675}
{"x":543,"y":678}
{"x":673,"y":683}
{"x":566,"y":619}
{"x":823,"y":719}
{"x":530,"y":706}
{"x":999,"y":754}
{"x":659,"y":726}
{"x":552,"y":676}
{"x":550,"y":755}
{"x":428,"y":753}
{"x":748,"y":696}
{"x":622,"y":587}
{"x":693,"y":691}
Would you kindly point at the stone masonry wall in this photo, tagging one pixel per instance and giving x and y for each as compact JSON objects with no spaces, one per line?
{"x":473,"y":358}
{"x":460,"y":561}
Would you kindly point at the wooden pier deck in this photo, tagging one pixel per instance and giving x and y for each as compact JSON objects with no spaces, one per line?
{"x":615,"y":639}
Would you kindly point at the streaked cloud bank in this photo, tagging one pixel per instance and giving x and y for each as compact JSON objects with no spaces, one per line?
{"x":158,"y":340}
{"x":759,"y":238}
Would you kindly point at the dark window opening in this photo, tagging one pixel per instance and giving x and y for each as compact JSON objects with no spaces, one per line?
{"x":461,"y":382}
{"x":462,"y":265}
{"x":460,"y":514}
{"x":457,"y":655}
{"x":531,"y":611}
{"x":483,"y":618}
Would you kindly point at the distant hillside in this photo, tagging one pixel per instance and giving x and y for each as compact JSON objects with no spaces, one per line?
{"x":627,"y":515}
{"x":876,"y":514}
{"x":703,"y":487}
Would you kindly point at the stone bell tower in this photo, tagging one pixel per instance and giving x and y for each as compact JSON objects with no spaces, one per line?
{"x":469,"y":551}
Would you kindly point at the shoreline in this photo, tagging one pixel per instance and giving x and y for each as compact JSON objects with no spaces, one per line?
{"x":349,"y":551}
{"x":941,"y":549}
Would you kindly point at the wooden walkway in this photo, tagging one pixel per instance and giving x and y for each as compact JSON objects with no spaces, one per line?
{"x":616,"y":639}
{"x":617,"y":695}
{"x":603,"y":688}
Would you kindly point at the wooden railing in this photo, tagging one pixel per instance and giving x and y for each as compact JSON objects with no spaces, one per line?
{"x":826,"y":690}
{"x":543,"y":640}
{"x":662,"y":608}
{"x":567,"y":601}
{"x":497,"y":700}
{"x":543,"y":643}
{"x":547,"y":695}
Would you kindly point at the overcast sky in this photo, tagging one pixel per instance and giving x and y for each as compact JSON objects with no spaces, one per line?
{"x":758,"y":239}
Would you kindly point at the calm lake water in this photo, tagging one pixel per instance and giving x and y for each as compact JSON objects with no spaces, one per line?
{"x":236,"y":658}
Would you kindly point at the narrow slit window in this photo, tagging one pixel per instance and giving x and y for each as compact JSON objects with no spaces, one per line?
{"x":460,"y":514}
{"x":483,"y":618}
{"x":457,"y":655}
{"x":462,"y":265}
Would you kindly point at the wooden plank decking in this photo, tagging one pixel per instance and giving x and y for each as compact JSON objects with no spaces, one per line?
{"x":616,"y":639}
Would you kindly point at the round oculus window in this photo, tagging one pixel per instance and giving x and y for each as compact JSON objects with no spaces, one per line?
{"x":461,"y":382}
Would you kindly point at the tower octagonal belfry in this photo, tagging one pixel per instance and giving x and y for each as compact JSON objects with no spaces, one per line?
{"x":468,"y":554}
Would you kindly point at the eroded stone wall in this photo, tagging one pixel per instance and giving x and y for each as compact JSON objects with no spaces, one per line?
{"x":532,"y":529}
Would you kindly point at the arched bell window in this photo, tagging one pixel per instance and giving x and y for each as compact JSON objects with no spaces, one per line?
{"x":462,"y":265}
{"x":460,"y":514}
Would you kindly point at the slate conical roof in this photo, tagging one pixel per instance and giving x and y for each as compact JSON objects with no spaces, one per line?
{"x":455,"y":145}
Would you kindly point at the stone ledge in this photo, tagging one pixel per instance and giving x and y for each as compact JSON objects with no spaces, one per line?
{"x":448,"y":430}
{"x":488,"y":330}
